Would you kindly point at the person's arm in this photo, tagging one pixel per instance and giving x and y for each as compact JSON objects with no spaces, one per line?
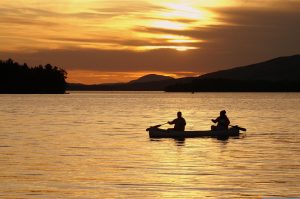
{"x":172,"y":122}
{"x":216,"y":120}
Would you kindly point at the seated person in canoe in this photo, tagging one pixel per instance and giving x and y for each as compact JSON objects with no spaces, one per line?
{"x":222,"y":122}
{"x":179,"y":123}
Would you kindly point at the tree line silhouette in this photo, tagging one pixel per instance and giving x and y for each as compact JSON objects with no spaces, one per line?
{"x":19,"y":78}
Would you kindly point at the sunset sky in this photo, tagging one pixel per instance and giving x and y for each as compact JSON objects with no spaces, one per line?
{"x":99,"y":41}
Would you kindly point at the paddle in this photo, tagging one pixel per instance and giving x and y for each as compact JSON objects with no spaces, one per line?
{"x":156,"y":126}
{"x":159,"y":125}
{"x":238,"y":127}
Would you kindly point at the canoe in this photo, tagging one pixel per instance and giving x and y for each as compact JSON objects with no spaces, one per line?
{"x":155,"y":132}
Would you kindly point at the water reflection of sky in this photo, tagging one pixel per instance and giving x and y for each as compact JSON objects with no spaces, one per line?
{"x":95,"y":145}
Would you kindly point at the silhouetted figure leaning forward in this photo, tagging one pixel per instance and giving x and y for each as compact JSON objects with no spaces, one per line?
{"x":179,"y":123}
{"x":222,"y":122}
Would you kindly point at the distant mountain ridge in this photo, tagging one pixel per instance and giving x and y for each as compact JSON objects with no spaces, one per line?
{"x":278,"y":69}
{"x":151,"y":82}
{"x":279,"y":74}
{"x":151,"y":78}
{"x":276,"y":75}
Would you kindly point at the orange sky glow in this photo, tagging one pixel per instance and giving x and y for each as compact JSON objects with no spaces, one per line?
{"x":99,"y":41}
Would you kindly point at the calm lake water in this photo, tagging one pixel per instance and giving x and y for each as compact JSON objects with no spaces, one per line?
{"x":94,"y":145}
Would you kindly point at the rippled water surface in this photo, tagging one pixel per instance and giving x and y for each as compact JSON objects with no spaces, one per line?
{"x":94,"y":145}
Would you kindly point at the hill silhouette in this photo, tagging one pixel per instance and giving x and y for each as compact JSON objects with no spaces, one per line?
{"x":19,"y":78}
{"x":279,"y":74}
{"x":276,"y":75}
{"x":150,"y":82}
{"x":278,"y":69}
{"x":151,"y":78}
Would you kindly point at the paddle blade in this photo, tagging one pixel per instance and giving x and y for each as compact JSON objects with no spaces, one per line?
{"x":151,"y":127}
{"x":241,"y":128}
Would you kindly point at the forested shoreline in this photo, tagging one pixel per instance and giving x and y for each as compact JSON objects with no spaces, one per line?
{"x":20,"y":78}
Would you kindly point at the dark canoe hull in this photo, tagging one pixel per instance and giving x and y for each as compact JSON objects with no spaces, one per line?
{"x":162,"y":133}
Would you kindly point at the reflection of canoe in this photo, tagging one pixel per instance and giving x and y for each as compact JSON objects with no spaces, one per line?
{"x":162,"y":133}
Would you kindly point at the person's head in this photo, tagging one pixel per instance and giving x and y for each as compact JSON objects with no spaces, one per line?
{"x":223,"y":113}
{"x":179,"y":114}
